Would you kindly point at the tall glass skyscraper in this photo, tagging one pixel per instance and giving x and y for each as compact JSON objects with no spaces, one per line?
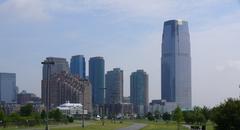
{"x":8,"y":87}
{"x":97,"y":80}
{"x":78,"y":66}
{"x":176,"y":63}
{"x":114,"y":86}
{"x":139,"y":91}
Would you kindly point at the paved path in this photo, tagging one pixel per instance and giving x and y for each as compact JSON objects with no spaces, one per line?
{"x":135,"y":126}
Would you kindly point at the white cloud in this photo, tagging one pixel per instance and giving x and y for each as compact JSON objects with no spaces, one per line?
{"x":42,"y":9}
{"x":24,"y":10}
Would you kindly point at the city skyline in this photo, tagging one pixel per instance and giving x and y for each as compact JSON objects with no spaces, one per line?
{"x":127,"y":36}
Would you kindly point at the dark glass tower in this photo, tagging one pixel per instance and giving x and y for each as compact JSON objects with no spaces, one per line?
{"x":78,"y":66}
{"x":139,"y":91}
{"x":176,"y":63}
{"x":96,"y":77}
{"x":114,"y":86}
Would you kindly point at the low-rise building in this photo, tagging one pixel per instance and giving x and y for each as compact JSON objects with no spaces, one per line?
{"x":162,"y":106}
{"x":72,"y":109}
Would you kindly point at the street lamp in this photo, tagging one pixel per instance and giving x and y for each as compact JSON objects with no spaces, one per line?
{"x":48,"y":63}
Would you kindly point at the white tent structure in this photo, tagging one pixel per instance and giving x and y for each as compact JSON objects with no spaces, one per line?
{"x":71,"y":109}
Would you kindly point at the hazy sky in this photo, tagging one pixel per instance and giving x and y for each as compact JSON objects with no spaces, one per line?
{"x":127,"y":33}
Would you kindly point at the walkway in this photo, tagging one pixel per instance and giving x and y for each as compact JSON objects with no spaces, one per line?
{"x":135,"y":126}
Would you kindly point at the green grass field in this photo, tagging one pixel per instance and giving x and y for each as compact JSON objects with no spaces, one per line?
{"x":109,"y":125}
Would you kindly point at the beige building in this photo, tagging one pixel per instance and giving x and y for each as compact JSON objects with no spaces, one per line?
{"x":65,"y":87}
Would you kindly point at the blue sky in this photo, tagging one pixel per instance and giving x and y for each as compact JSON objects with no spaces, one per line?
{"x":128,"y":35}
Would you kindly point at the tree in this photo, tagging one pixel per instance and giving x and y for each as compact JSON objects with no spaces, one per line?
{"x":189,"y":117}
{"x":56,"y":114}
{"x":199,"y":118}
{"x":43,"y":114}
{"x":206,"y":112}
{"x":2,"y":115}
{"x":166,"y":116}
{"x":227,"y":115}
{"x":26,"y":110}
{"x":178,"y":116}
{"x":150,"y":116}
{"x":157,"y":114}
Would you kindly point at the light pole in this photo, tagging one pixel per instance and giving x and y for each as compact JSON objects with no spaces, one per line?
{"x":83,"y":91}
{"x":48,"y":64}
{"x":102,"y":110}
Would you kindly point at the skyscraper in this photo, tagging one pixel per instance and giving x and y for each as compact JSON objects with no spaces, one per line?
{"x":60,"y":65}
{"x":96,"y":77}
{"x":176,"y":63}
{"x":139,"y":91}
{"x":8,"y":87}
{"x":114,"y":86}
{"x":78,"y":66}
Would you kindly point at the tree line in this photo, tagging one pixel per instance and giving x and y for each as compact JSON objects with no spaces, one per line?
{"x":26,"y":116}
{"x":225,"y":116}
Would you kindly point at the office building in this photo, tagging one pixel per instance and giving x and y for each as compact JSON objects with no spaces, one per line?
{"x":8,"y":87}
{"x":97,"y":80}
{"x":67,"y":87}
{"x":114,"y":86}
{"x":162,"y":106}
{"x":176,"y":63}
{"x":139,"y":91}
{"x":24,"y":98}
{"x":78,"y":66}
{"x":59,"y":65}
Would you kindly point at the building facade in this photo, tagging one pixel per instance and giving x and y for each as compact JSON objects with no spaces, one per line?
{"x":97,"y":80}
{"x":8,"y":88}
{"x":78,"y":66}
{"x":114,"y":86}
{"x":60,"y":65}
{"x":24,"y":98}
{"x":162,"y":106}
{"x":139,"y":92}
{"x":176,"y":64}
{"x":65,"y":87}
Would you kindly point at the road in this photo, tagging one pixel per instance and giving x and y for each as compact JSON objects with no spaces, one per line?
{"x":135,"y":126}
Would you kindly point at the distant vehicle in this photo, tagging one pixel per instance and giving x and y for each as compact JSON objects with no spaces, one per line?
{"x":98,"y":118}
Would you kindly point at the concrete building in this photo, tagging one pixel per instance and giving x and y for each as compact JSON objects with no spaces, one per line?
{"x":24,"y":98}
{"x":78,"y":66}
{"x":176,"y":64}
{"x":67,"y":87}
{"x":60,"y":65}
{"x":126,"y":99}
{"x":139,"y":92}
{"x":72,"y":109}
{"x":114,"y":86}
{"x":97,"y":80}
{"x":64,"y":86}
{"x":162,"y":106}
{"x":8,"y":87}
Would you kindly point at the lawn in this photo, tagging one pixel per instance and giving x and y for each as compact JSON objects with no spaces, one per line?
{"x":90,"y":125}
{"x":97,"y":125}
{"x":162,"y":126}
{"x":151,"y":125}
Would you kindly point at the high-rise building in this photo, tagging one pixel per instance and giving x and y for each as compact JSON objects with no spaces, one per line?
{"x":60,"y":65}
{"x":96,"y":77}
{"x":78,"y":66}
{"x":8,"y":87}
{"x":139,"y":91}
{"x":176,"y":63}
{"x":114,"y":86}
